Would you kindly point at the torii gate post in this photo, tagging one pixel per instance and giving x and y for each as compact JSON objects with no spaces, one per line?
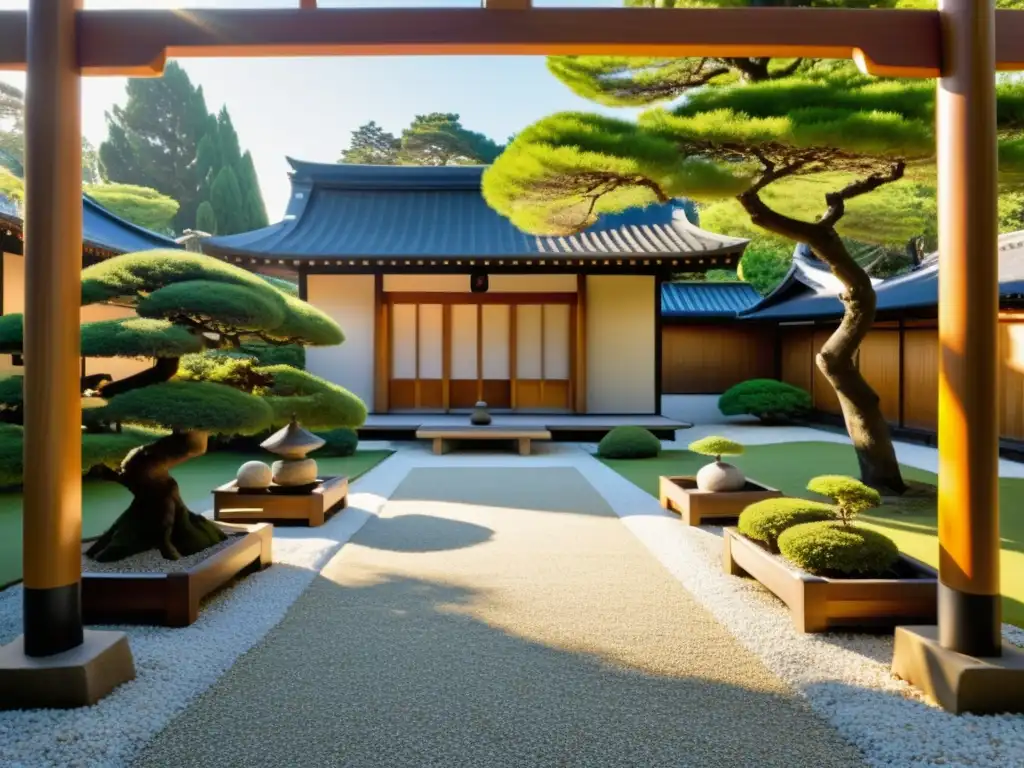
{"x":962,"y":663}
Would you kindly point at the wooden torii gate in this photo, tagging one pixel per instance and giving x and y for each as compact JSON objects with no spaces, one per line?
{"x":962,"y":44}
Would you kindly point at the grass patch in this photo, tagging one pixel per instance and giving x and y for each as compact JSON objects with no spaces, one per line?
{"x":910,"y":521}
{"x":102,"y":501}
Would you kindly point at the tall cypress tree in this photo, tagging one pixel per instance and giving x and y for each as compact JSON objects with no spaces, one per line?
{"x":165,"y":138}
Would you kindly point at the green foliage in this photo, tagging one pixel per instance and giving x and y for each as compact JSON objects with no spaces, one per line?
{"x":438,"y":138}
{"x":371,"y":145}
{"x":628,"y":443}
{"x":12,"y":392}
{"x":766,"y":520}
{"x":281,"y":284}
{"x":315,"y":402}
{"x":138,"y":337}
{"x":218,"y":289}
{"x":206,"y":219}
{"x":767,"y":399}
{"x":165,"y":138}
{"x":850,"y":495}
{"x":11,"y":187}
{"x":228,"y":202}
{"x":713,"y":445}
{"x":103,"y":448}
{"x":830,"y":549}
{"x":223,"y":367}
{"x":11,"y":333}
{"x":338,"y":442}
{"x":218,"y":306}
{"x":561,"y":173}
{"x":765,"y":263}
{"x":276,"y":354}
{"x":140,"y":205}
{"x":190,"y":405}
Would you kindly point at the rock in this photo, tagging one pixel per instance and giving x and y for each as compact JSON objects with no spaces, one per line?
{"x":300,"y":472}
{"x":480,"y":417}
{"x":254,"y":474}
{"x":719,"y":476}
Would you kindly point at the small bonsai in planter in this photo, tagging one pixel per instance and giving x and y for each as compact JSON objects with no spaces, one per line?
{"x":629,"y":443}
{"x":771,"y":401}
{"x":837,"y":547}
{"x":832,"y":574}
{"x":718,"y":476}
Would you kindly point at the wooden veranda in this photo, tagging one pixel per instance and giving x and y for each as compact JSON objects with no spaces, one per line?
{"x":961,"y":44}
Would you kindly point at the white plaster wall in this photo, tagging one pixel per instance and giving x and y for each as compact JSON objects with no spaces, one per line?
{"x":620,"y":344}
{"x":348,"y":299}
{"x":496,"y":284}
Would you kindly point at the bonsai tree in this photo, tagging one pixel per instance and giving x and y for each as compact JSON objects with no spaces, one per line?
{"x":769,"y":400}
{"x":718,"y":476}
{"x":765,"y":521}
{"x":193,"y":314}
{"x":850,"y":497}
{"x":561,"y":174}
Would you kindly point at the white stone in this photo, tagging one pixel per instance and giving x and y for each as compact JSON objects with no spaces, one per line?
{"x":301,"y":472}
{"x":719,"y":476}
{"x":254,"y":474}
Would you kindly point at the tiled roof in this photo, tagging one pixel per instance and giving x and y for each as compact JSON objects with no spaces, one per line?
{"x":104,"y":231}
{"x":706,"y":300}
{"x":366,"y":212}
{"x":801,"y":297}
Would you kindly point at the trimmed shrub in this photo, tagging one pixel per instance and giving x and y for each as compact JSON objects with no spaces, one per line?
{"x":765,"y":521}
{"x":767,"y":399}
{"x":832,"y":548}
{"x":629,"y":443}
{"x":716,"y":446}
{"x":340,"y":442}
{"x":850,"y":495}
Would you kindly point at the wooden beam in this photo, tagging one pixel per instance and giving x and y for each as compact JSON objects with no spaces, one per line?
{"x":381,"y":347}
{"x":138,"y":42}
{"x":53,"y":275}
{"x":581,"y":344}
{"x":969,"y":602}
{"x":507,"y":5}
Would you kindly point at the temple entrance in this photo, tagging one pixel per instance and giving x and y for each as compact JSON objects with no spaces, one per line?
{"x":514,"y":351}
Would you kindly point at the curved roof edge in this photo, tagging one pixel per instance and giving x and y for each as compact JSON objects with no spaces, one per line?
{"x":391,"y":177}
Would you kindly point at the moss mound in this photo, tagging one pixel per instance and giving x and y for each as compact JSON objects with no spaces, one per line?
{"x":339,"y":442}
{"x":712,"y":445}
{"x":767,"y":399}
{"x":629,"y":443}
{"x":766,"y":520}
{"x":832,"y":548}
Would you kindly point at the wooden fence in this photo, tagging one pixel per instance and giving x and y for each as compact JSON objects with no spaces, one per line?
{"x":899,"y":359}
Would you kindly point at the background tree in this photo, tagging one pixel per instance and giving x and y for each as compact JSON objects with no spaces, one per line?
{"x":165,"y":138}
{"x":371,"y":145}
{"x":206,"y":219}
{"x":438,"y":138}
{"x":740,"y":141}
{"x":190,"y":309}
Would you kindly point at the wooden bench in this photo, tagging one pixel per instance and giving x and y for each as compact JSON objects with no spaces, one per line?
{"x":523,"y":436}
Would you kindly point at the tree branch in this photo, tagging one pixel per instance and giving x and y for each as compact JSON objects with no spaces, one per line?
{"x":837,"y":200}
{"x":164,"y":370}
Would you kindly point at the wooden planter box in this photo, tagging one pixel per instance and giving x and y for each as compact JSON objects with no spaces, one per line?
{"x":172,"y":599}
{"x":819,"y":604}
{"x":680,"y":494}
{"x":233,"y":505}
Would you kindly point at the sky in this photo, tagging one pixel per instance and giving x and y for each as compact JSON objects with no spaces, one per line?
{"x":307,"y":107}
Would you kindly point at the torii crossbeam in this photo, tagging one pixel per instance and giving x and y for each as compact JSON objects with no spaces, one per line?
{"x":962,"y":44}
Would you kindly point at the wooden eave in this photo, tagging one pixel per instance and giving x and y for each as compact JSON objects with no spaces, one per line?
{"x":139,"y":42}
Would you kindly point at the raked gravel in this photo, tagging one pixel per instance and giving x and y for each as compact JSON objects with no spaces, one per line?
{"x":151,"y":561}
{"x":845,"y":677}
{"x":175,"y":665}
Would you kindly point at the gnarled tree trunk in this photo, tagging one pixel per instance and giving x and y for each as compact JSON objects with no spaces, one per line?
{"x":157,"y":518}
{"x":860,"y":404}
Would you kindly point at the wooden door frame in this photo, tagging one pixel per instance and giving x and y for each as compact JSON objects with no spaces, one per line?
{"x":384,"y":368}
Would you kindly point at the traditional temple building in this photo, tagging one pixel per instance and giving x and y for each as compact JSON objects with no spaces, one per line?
{"x":444,"y":302}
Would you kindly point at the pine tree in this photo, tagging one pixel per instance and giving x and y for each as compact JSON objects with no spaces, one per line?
{"x":371,"y":145}
{"x":440,"y":139}
{"x":741,"y":141}
{"x":227,"y":202}
{"x":255,"y":209}
{"x":206,"y":219}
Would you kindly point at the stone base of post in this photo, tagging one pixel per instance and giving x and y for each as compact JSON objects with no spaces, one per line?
{"x":76,"y":678}
{"x":955,"y":681}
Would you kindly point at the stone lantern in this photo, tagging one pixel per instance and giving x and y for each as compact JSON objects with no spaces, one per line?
{"x":292,"y":443}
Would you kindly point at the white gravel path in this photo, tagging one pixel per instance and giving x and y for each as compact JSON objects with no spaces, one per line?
{"x":176,"y":665}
